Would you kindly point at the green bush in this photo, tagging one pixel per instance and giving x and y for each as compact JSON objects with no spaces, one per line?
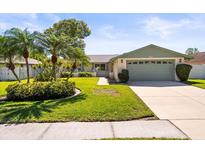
{"x":65,"y":75}
{"x":123,"y":76}
{"x":44,"y":76}
{"x":85,"y":74}
{"x":182,"y":71}
{"x":40,"y":90}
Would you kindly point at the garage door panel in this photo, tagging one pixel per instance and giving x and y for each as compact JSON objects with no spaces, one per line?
{"x":151,"y":71}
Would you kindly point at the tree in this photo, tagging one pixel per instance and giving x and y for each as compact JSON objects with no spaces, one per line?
{"x":52,"y":45}
{"x":8,"y":51}
{"x":76,"y":56}
{"x":64,"y":39}
{"x":192,"y":51}
{"x":24,"y":40}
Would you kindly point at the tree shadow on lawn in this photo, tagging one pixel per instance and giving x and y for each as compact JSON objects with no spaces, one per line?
{"x":20,"y":113}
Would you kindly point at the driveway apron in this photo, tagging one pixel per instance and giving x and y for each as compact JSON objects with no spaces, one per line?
{"x":181,"y":104}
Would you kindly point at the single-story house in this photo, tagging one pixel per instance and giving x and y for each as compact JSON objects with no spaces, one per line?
{"x":198,"y":66}
{"x":20,"y":69}
{"x":147,"y":63}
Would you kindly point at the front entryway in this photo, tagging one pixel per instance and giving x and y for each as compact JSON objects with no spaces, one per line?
{"x":151,"y":70}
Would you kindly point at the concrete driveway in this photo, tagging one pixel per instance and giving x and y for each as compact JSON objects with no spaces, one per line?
{"x":181,"y":104}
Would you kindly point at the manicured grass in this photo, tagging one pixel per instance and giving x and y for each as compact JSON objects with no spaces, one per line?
{"x":197,"y":83}
{"x":95,"y":103}
{"x":4,"y":84}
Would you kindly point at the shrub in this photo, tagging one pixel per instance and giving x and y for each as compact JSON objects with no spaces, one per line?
{"x":85,"y":74}
{"x":65,"y":75}
{"x":45,"y":75}
{"x":182,"y":71}
{"x":40,"y":90}
{"x":123,"y":76}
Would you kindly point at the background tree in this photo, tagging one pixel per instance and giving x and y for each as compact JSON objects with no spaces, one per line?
{"x":76,"y":57}
{"x":24,"y":40}
{"x":53,"y":46}
{"x":9,"y":52}
{"x":192,"y":51}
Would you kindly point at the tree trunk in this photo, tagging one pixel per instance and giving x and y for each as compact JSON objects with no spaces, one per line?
{"x":14,"y":73}
{"x":26,"y":55}
{"x":54,"y":60}
{"x":27,"y":70}
{"x":11,"y":66}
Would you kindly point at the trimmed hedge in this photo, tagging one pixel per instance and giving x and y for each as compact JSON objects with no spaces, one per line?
{"x":44,"y":76}
{"x":65,"y":75}
{"x":40,"y":90}
{"x":85,"y":74}
{"x":182,"y":71}
{"x":123,"y":76}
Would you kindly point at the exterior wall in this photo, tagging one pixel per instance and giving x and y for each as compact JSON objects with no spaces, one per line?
{"x":197,"y":72}
{"x":121,"y":63}
{"x":6,"y":74}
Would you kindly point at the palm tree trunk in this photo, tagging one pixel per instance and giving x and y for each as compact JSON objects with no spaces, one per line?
{"x":11,"y":66}
{"x":17,"y":78}
{"x":27,"y":70}
{"x":26,"y":55}
{"x":54,"y":60}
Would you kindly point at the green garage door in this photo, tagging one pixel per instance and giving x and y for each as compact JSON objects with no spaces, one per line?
{"x":154,"y":70}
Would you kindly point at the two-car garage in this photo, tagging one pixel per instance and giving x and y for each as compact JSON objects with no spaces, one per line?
{"x":151,"y":70}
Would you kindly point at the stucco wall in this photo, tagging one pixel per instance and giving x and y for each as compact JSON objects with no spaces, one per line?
{"x":121,"y":63}
{"x":197,"y":72}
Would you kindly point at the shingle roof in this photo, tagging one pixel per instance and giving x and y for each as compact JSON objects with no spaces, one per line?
{"x":101,"y":58}
{"x":139,"y":53}
{"x":22,"y":61}
{"x":198,"y":58}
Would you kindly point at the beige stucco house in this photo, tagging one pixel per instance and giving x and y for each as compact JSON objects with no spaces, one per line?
{"x":147,"y":63}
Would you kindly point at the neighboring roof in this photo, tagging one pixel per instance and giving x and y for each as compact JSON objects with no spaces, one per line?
{"x":151,"y":51}
{"x":101,"y":58}
{"x":198,"y":58}
{"x":31,"y":61}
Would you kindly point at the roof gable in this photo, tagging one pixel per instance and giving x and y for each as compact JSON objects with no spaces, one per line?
{"x":100,"y":58}
{"x":152,"y":51}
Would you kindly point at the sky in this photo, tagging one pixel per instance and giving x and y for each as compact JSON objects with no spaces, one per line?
{"x":120,"y":33}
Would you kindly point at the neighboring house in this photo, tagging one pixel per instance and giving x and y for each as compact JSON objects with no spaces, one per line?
{"x":147,"y":63}
{"x":198,"y":66}
{"x":6,"y":74}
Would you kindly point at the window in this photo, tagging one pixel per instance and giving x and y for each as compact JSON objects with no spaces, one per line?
{"x":158,"y":62}
{"x":180,"y":60}
{"x":170,"y":62}
{"x":135,"y":62}
{"x":141,"y":62}
{"x":121,"y":60}
{"x":100,"y":67}
{"x":146,"y":62}
{"x":129,"y":63}
{"x":153,"y":62}
{"x":164,"y":62}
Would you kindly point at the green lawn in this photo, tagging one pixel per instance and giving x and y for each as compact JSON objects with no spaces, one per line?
{"x":95,"y":103}
{"x":197,"y":83}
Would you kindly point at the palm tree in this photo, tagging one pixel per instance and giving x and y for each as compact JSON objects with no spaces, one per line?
{"x":76,"y":56}
{"x":53,"y":46}
{"x":24,"y":40}
{"x":8,"y":52}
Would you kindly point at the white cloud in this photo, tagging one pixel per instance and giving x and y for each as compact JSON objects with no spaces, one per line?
{"x":163,"y":27}
{"x":111,"y":32}
{"x":52,"y":17}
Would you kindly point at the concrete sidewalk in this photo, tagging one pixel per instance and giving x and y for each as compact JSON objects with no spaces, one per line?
{"x":91,"y":130}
